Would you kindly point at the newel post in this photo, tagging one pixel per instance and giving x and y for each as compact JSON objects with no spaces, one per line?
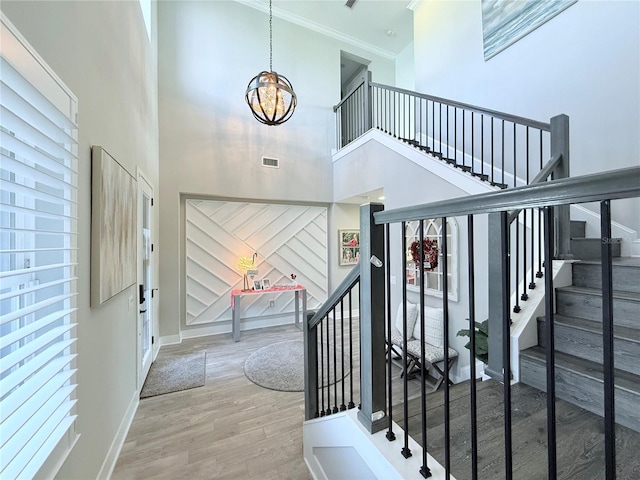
{"x":372,"y":321}
{"x":499,"y":293}
{"x":560,"y":146}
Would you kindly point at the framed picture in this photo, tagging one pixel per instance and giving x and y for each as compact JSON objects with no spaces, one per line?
{"x":349,"y":247}
{"x":266,"y":284}
{"x":257,"y":285}
{"x":504,"y":22}
{"x":113,"y":227}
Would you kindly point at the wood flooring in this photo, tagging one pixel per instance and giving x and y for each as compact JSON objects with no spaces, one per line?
{"x":580,"y":437}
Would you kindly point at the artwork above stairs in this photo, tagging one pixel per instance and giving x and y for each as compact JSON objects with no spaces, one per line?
{"x":578,"y":335}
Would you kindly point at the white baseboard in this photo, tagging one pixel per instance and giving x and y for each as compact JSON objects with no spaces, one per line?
{"x":170,"y":340}
{"x":118,"y":441}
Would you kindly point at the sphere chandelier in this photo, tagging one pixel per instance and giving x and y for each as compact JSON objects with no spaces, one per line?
{"x":270,"y":96}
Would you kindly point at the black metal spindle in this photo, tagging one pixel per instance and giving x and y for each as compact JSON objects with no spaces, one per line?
{"x":321,"y":376}
{"x":539,"y":272}
{"x":447,"y":113}
{"x":550,"y":342}
{"x":472,"y":350}
{"x":492,"y":154}
{"x":455,"y":136}
{"x":482,"y":148}
{"x":506,"y":348}
{"x":515,"y":165}
{"x":525,"y":296}
{"x":343,"y":407}
{"x":607,"y":341}
{"x":464,"y":160}
{"x":473,"y":140}
{"x":335,"y":365}
{"x":390,"y":435}
{"x":327,"y":378}
{"x":406,"y":451}
{"x":516,"y":307}
{"x":351,"y":404}
{"x":425,"y":471}
{"x":440,"y":128}
{"x":445,"y":327}
{"x":502,"y":153}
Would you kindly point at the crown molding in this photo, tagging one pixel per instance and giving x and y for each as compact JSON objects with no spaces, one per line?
{"x":316,"y":27}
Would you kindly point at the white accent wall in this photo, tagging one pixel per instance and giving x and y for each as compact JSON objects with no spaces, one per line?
{"x":287,"y":239}
{"x":585,"y":63}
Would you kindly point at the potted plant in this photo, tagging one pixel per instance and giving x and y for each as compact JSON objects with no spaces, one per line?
{"x":482,"y":340}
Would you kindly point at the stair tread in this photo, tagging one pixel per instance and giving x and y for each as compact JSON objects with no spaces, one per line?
{"x":616,"y":261}
{"x":625,"y":380}
{"x":619,"y":294}
{"x":619,"y":332}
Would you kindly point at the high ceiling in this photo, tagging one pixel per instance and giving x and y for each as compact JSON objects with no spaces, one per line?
{"x":384,"y":27}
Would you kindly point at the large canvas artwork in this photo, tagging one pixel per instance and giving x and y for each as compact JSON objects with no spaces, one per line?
{"x":504,"y":22}
{"x":113,"y":227}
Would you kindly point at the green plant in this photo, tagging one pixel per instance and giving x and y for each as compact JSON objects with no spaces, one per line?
{"x":482,"y":340}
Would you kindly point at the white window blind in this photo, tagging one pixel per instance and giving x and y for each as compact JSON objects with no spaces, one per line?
{"x":38,"y":238}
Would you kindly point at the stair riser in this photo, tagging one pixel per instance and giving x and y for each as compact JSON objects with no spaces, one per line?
{"x":577,"y":228}
{"x":588,"y":345}
{"x":625,"y":278}
{"x":590,"y":248}
{"x":586,"y":392}
{"x":574,"y":304}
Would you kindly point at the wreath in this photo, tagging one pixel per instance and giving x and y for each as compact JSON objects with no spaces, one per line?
{"x":430,"y":249}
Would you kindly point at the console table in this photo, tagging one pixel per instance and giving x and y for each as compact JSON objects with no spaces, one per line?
{"x":300,"y":293}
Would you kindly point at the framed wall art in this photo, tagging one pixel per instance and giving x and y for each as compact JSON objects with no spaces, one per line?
{"x":113,"y":227}
{"x":349,"y":247}
{"x":504,"y":22}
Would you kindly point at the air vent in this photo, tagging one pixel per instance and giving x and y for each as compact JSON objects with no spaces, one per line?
{"x":350,"y":3}
{"x":270,"y":162}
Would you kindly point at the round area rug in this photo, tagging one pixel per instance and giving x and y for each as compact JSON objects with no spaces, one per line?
{"x":280,"y":366}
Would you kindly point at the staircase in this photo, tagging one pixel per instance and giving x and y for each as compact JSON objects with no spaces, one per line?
{"x":578,"y":334}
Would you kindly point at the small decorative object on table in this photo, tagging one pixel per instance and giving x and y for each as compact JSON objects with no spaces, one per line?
{"x":257,"y":285}
{"x":293,"y":280}
{"x":266,"y":284}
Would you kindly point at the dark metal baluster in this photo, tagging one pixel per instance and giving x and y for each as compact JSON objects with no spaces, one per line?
{"x":472,"y":360}
{"x":492,"y":151}
{"x":506,"y":348}
{"x":351,"y":404}
{"x":473,"y":139}
{"x":335,"y":364}
{"x":525,"y":296}
{"x":550,"y":342}
{"x":482,"y":148}
{"x":445,"y":327}
{"x":343,"y":407}
{"x":455,"y":136}
{"x":502,"y":154}
{"x":464,"y":160}
{"x":326,"y":380}
{"x":440,"y":128}
{"x":390,"y":435}
{"x":516,"y":307}
{"x":515,"y":166}
{"x":425,"y":471}
{"x":539,"y":272}
{"x":321,"y":376}
{"x":447,"y":156}
{"x":406,"y":452}
{"x":607,"y":340}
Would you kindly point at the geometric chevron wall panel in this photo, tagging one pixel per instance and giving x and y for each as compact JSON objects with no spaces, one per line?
{"x":287,"y":238}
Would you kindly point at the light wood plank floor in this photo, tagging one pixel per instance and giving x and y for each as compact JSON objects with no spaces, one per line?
{"x":230,"y":428}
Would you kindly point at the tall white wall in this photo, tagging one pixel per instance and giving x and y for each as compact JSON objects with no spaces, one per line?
{"x":210,"y":143}
{"x":101,"y":51}
{"x":585,"y":63}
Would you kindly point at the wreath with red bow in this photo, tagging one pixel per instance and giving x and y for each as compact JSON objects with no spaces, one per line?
{"x":430,"y":249}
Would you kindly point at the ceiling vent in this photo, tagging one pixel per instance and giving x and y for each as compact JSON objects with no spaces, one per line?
{"x":350,"y":3}
{"x":270,"y":162}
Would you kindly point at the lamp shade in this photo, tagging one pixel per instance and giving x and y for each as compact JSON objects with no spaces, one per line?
{"x":271,"y":98}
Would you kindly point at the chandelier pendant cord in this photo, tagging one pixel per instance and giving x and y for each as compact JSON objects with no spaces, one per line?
{"x":270,"y":38}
